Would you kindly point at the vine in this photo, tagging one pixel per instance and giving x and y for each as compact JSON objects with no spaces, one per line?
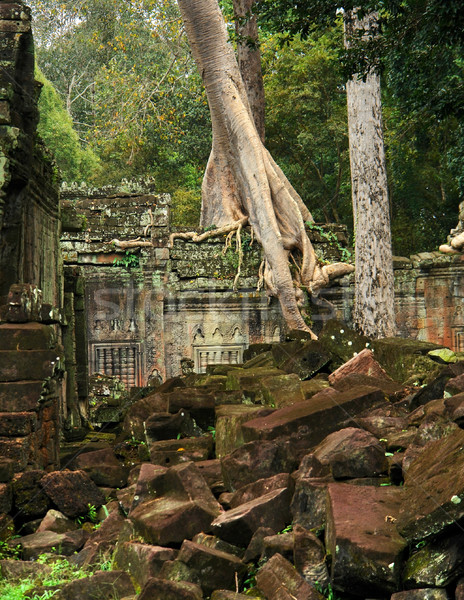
{"x":329,"y":236}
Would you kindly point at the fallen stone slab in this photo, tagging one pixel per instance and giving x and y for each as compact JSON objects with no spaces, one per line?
{"x":7,"y":470}
{"x":228,"y":595}
{"x":278,"y":580}
{"x":312,"y":420}
{"x":362,"y":363}
{"x":362,"y":539}
{"x":392,"y":390}
{"x":352,"y":453}
{"x":238,"y":525}
{"x":282,"y":390}
{"x":141,"y":561}
{"x":434,"y":488}
{"x":165,"y":426}
{"x":213,"y":569}
{"x":261,"y":487}
{"x":104,"y":585}
{"x":309,"y":557}
{"x":256,"y":545}
{"x":22,"y":569}
{"x":163,"y":589}
{"x":198,"y":401}
{"x":280,"y":543}
{"x":72,"y":492}
{"x":48,"y":541}
{"x":103,"y":468}
{"x":6,"y":497}
{"x":149,"y":482}
{"x":256,"y":460}
{"x":28,"y":495}
{"x":305,"y":358}
{"x":56,"y":521}
{"x":308,"y":505}
{"x":101,"y":541}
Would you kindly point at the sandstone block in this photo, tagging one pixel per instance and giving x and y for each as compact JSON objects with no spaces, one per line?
{"x":19,"y":396}
{"x":303,"y":358}
{"x":261,"y":487}
{"x":104,"y":585}
{"x":421,"y":594}
{"x":213,"y":569}
{"x":278,"y":580}
{"x":165,"y":426}
{"x":238,"y":525}
{"x":309,"y":557}
{"x":44,"y":541}
{"x":168,"y":453}
{"x":28,"y":364}
{"x":56,"y":522}
{"x":162,"y":589}
{"x":15,"y":424}
{"x":6,"y":497}
{"x":141,"y":561}
{"x":363,"y":363}
{"x":308,"y":506}
{"x":229,"y":419}
{"x":103,"y":468}
{"x":22,"y":569}
{"x":362,"y":539}
{"x":72,"y":492}
{"x":26,"y":336}
{"x":28,"y":495}
{"x":102,"y":540}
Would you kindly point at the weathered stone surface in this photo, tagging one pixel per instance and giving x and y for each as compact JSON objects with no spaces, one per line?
{"x":227,"y":595}
{"x":434,"y":488}
{"x":104,"y":585}
{"x":183,"y":506}
{"x":55,"y":521}
{"x":390,"y":388}
{"x":141,"y":561}
{"x":282,"y":390}
{"x":455,"y":385}
{"x":14,"y":424}
{"x":22,"y":569}
{"x":7,"y":527}
{"x":435,"y":387}
{"x":140,"y":411}
{"x":168,"y":453}
{"x":256,"y":460}
{"x":278,"y":580}
{"x":261,"y":487}
{"x":300,"y":357}
{"x":29,"y":498}
{"x":103,"y":468}
{"x":281,"y":543}
{"x":162,"y":589}
{"x":26,"y":336}
{"x":28,"y":365}
{"x":7,"y":469}
{"x":38,"y":543}
{"x":148,"y":483}
{"x":341,"y":341}
{"x":211,"y":471}
{"x":363,"y":363}
{"x":437,"y":564}
{"x":212,"y":568}
{"x":362,"y":539}
{"x":199,"y":402}
{"x":238,"y":525}
{"x":71,"y":492}
{"x":255,"y":547}
{"x":309,"y":557}
{"x":310,"y":387}
{"x":211,"y":541}
{"x":308,"y":506}
{"x":352,"y":453}
{"x":165,"y":426}
{"x":102,"y":540}
{"x":6,"y":497}
{"x":421,"y":594}
{"x":312,"y":420}
{"x":229,"y":419}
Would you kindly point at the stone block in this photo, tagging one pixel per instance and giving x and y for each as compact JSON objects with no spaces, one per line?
{"x":162,"y":589}
{"x":7,"y":469}
{"x":229,"y":419}
{"x":17,"y":570}
{"x":238,"y":525}
{"x":15,"y":424}
{"x":29,"y":498}
{"x":72,"y":492}
{"x":362,"y":539}
{"x":305,"y":359}
{"x":38,"y":543}
{"x":26,"y":336}
{"x":278,"y":580}
{"x":20,"y":396}
{"x":168,"y":453}
{"x":165,"y":426}
{"x":57,"y":522}
{"x":103,"y":468}
{"x":261,"y":487}
{"x":313,"y":419}
{"x":6,"y":497}
{"x":213,"y":569}
{"x":20,"y":450}
{"x":363,"y":363}
{"x":422,"y":594}
{"x":308,"y":506}
{"x":28,"y":364}
{"x":102,"y":541}
{"x":434,"y":488}
{"x":141,"y":561}
{"x":309,"y":557}
{"x":104,"y":585}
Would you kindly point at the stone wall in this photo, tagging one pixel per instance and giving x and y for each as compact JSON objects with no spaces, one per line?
{"x":31,"y":357}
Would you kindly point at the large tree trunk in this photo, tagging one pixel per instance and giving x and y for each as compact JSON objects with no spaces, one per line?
{"x":249,"y":60}
{"x":374,"y":312}
{"x":241,"y":179}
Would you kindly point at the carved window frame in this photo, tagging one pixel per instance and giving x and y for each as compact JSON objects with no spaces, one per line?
{"x":118,"y":359}
{"x":225,"y":354}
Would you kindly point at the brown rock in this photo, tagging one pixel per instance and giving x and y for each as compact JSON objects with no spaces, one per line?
{"x":282,"y":543}
{"x":26,"y":336}
{"x":455,"y":385}
{"x":229,"y":420}
{"x":362,"y":538}
{"x":103,"y":468}
{"x":300,"y":357}
{"x":7,"y":470}
{"x":48,"y":541}
{"x":256,"y":460}
{"x":168,"y":453}
{"x":213,"y":568}
{"x":363,"y":363}
{"x":72,"y":492}
{"x":278,"y":580}
{"x":211,"y":471}
{"x":313,"y":419}
{"x":29,"y":498}
{"x":22,"y":569}
{"x":57,"y":522}
{"x":161,"y":589}
{"x":238,"y":525}
{"x":104,"y":585}
{"x":211,"y":541}
{"x":390,"y":388}
{"x":434,"y":488}
{"x":256,"y":545}
{"x":20,"y":396}
{"x":140,"y":411}
{"x":6,"y":497}
{"x":308,"y":506}
{"x":227,"y":595}
{"x":165,"y":426}
{"x":141,"y":561}
{"x":101,"y":541}
{"x":27,"y":365}
{"x":14,"y":424}
{"x":352,"y":453}
{"x":261,"y":487}
{"x":199,"y":402}
{"x":309,"y":557}
{"x":149,"y":482}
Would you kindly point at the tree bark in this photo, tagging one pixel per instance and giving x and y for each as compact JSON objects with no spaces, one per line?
{"x":373,"y":312}
{"x":249,"y":60}
{"x":242,"y":180}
